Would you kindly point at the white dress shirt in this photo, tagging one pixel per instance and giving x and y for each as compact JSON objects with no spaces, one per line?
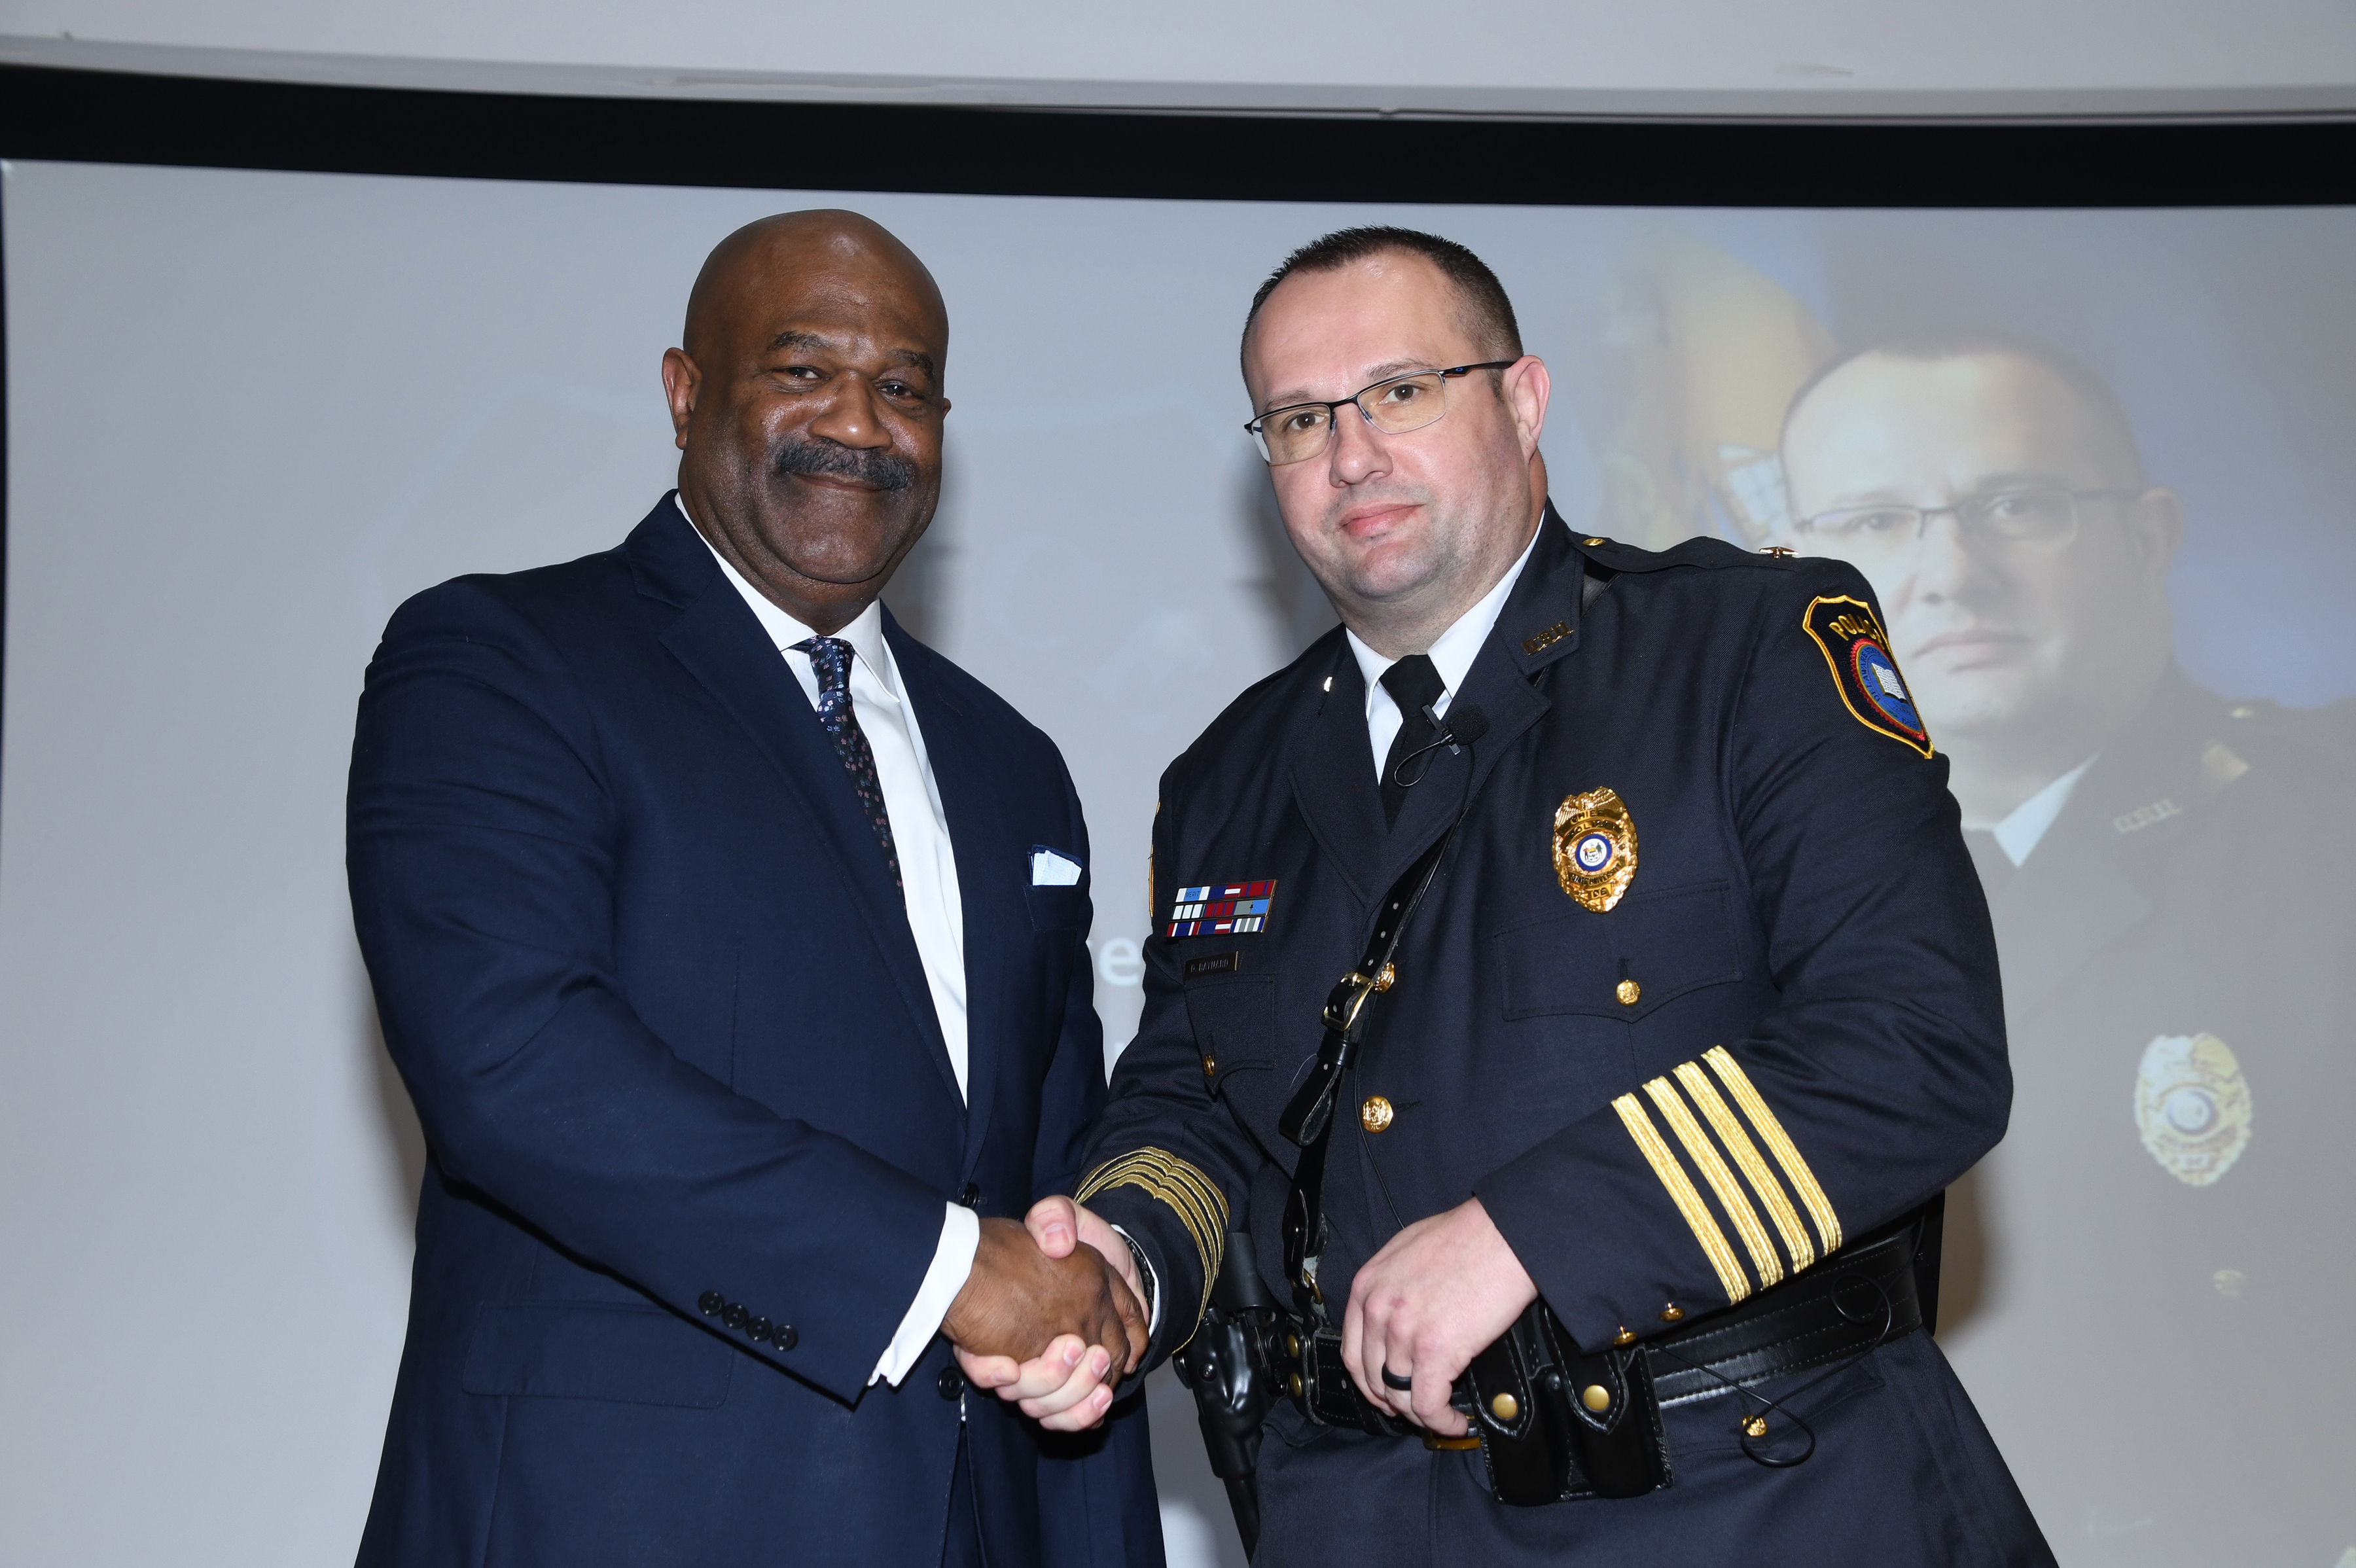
{"x":2026,"y":823}
{"x":929,"y":879}
{"x":1451,"y":655}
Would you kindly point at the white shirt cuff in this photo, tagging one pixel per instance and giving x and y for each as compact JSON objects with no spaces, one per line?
{"x":1152,"y":1281}
{"x":952,"y":1262}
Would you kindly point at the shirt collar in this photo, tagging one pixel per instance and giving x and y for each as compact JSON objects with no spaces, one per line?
{"x":865,"y":634}
{"x":1453,"y":652}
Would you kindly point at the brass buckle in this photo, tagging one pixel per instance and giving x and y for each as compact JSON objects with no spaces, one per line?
{"x":1350,"y":994}
{"x":1439,"y":1444}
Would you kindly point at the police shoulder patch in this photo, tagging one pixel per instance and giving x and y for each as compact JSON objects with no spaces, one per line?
{"x":1857,"y":648}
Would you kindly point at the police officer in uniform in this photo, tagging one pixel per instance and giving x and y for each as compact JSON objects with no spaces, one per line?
{"x":2172,"y":878}
{"x":1700,"y":1006}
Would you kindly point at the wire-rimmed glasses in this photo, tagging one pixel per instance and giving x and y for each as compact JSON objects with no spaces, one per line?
{"x":2033,"y":518}
{"x":1301,"y":431}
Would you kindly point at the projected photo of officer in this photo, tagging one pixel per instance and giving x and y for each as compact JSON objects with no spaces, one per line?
{"x":2172,"y":876}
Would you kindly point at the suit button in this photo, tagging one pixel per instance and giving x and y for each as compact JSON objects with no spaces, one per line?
{"x":782,"y":1336}
{"x":952,"y":1383}
{"x":757,"y":1330}
{"x":970,"y":1196}
{"x":734,"y":1315}
{"x":711,"y":1301}
{"x":1628,"y":991}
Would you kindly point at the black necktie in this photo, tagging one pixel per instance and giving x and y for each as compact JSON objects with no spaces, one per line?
{"x":1414,"y":685}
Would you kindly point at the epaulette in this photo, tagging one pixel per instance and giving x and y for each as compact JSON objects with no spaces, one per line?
{"x":1699,"y":551}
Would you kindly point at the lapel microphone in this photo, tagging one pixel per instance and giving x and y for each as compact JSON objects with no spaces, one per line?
{"x":1463,"y":726}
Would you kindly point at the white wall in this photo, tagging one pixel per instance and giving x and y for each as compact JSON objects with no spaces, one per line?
{"x":1536,"y":56}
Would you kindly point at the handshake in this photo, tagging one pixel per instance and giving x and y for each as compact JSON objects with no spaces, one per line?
{"x":1052,"y":1308}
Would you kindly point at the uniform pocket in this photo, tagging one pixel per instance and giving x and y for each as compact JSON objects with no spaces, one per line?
{"x":562,"y":1349}
{"x":1233,"y":1020}
{"x":1664,"y":944}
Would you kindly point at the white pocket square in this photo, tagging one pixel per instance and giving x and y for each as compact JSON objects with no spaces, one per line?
{"x":1049,"y":869}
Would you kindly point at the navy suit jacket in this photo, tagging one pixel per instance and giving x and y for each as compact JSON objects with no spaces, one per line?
{"x":647,"y":976}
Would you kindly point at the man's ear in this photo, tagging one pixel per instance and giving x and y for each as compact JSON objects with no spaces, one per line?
{"x":680,"y":381}
{"x":1526,"y":387}
{"x":2156,"y":526}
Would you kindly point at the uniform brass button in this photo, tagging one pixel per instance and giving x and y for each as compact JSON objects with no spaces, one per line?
{"x":1628,"y":991}
{"x":1755,"y":1427}
{"x":1292,"y":1346}
{"x":1779,"y":551}
{"x":1387,"y":977}
{"x":1504,"y":1407}
{"x":1295,"y":1384}
{"x":1625,"y":1336}
{"x":1673,"y":1312}
{"x":1596,"y":1396}
{"x":1595,"y":541}
{"x":1210,"y":1067}
{"x":1375,"y":1113}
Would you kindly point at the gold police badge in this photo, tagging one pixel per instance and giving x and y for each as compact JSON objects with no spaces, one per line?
{"x":1594,"y":848}
{"x":2192,"y":1106}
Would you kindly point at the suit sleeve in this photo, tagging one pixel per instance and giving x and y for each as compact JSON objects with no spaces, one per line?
{"x":1167,"y":1162}
{"x":1878,"y":1076}
{"x":480,"y":849}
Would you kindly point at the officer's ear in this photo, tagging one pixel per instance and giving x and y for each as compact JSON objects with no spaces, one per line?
{"x":2155,"y":523}
{"x":1526,"y":387}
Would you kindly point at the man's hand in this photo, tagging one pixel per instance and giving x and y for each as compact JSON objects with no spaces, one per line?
{"x":1070,"y":1387}
{"x":1440,"y":1293}
{"x":1019,"y":1302}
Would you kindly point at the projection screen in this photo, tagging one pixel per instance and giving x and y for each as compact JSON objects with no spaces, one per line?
{"x":250,"y":413}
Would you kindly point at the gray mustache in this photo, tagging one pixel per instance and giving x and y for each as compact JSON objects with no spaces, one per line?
{"x":884,"y":470}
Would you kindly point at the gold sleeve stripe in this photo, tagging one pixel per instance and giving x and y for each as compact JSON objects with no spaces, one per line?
{"x":1755,"y":1165}
{"x":1704,"y":1154}
{"x":1779,"y":1142}
{"x":1194,"y":1197}
{"x":1681,"y":1192}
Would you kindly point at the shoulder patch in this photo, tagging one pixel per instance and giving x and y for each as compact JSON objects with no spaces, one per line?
{"x":1858,"y":650}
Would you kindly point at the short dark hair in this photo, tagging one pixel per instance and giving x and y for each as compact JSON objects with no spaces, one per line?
{"x":1976,"y":343}
{"x":1488,"y":313}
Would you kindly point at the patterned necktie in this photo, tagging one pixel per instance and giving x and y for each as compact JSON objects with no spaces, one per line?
{"x":830,"y":656}
{"x":1414,"y":685}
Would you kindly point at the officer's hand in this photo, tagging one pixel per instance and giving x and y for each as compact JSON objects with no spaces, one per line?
{"x":1019,"y":1303}
{"x":1056,"y":1389}
{"x":1437,"y":1295}
{"x":1057,"y":1224}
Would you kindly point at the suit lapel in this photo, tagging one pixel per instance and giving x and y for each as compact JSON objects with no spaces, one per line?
{"x":990,"y":869}
{"x":1500,"y":683}
{"x":721,"y":642}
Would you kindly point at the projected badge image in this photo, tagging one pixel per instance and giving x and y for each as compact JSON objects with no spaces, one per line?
{"x":2169,"y":872}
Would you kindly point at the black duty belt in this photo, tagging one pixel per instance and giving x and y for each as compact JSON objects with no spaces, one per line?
{"x":1859,"y":1298}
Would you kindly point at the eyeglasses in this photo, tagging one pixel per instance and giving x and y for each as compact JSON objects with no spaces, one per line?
{"x":2025,"y":519}
{"x":1303,"y":430}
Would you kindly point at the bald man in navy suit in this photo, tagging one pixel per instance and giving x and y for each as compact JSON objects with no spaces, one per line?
{"x":731,"y":945}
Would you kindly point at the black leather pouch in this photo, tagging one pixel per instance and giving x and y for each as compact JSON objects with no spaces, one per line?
{"x":1557,"y":1424}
